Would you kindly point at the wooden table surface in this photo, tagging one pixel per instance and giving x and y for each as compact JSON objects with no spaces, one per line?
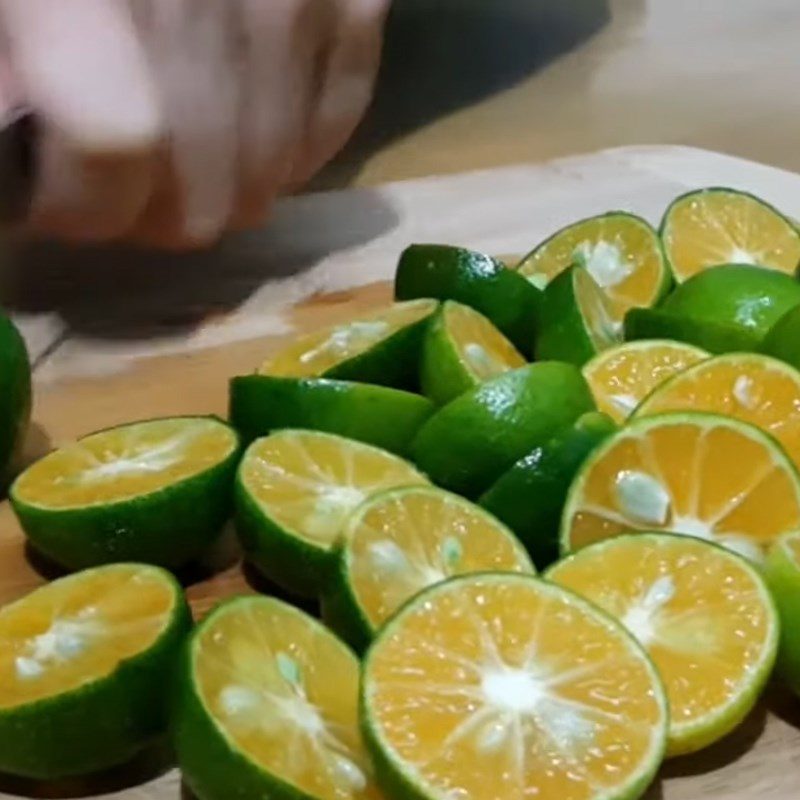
{"x":134,"y":340}
{"x":336,"y":250}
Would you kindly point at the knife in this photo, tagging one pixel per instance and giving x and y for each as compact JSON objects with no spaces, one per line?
{"x":18,"y":134}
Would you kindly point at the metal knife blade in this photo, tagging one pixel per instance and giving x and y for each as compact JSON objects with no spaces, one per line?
{"x":18,"y":133}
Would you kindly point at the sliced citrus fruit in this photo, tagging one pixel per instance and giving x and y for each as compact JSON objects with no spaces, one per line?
{"x":746,"y":297}
{"x":502,"y":685}
{"x":620,"y":378}
{"x":621,"y":251}
{"x":754,"y":388}
{"x":477,"y":280}
{"x":400,"y":542}
{"x":463,"y":349}
{"x":382,"y":347}
{"x":267,"y":707}
{"x":294,"y":492}
{"x":578,"y":320}
{"x":782,"y":571}
{"x":715,"y":337}
{"x":15,"y":398}
{"x":699,"y":474}
{"x":530,"y":496}
{"x":157,"y":491}
{"x":715,"y":226}
{"x":703,"y":614}
{"x":82,"y":666}
{"x":783,"y":339}
{"x":260,"y":404}
{"x":468,"y":443}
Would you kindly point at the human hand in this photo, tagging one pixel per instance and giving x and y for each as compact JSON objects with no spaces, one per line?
{"x":168,"y":122}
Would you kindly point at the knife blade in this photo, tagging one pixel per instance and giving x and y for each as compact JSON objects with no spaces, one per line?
{"x":18,"y":134}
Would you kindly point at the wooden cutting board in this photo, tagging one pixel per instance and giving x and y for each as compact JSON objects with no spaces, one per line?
{"x":119,"y":336}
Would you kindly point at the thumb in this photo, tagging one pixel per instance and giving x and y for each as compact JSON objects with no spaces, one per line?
{"x":81,"y":66}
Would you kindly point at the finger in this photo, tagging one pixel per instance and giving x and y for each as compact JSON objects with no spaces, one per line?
{"x":282,"y":40}
{"x":160,"y":225}
{"x":347,"y":87}
{"x":192,"y":48}
{"x":85,"y":199}
{"x":91,"y":198}
{"x":81,"y":67}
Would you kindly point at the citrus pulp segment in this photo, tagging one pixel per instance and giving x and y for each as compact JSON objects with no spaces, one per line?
{"x":157,"y":491}
{"x":578,"y":320}
{"x":699,"y":474}
{"x":294,"y":492}
{"x":443,"y":272}
{"x":708,"y":227}
{"x":260,"y":404}
{"x":754,"y":388}
{"x":382,"y":347}
{"x":468,"y":443}
{"x":400,"y":542}
{"x":463,"y":349}
{"x":82,"y":666}
{"x":621,"y":251}
{"x":702,"y":613}
{"x":504,"y":686}
{"x":267,"y":707}
{"x":621,"y":377}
